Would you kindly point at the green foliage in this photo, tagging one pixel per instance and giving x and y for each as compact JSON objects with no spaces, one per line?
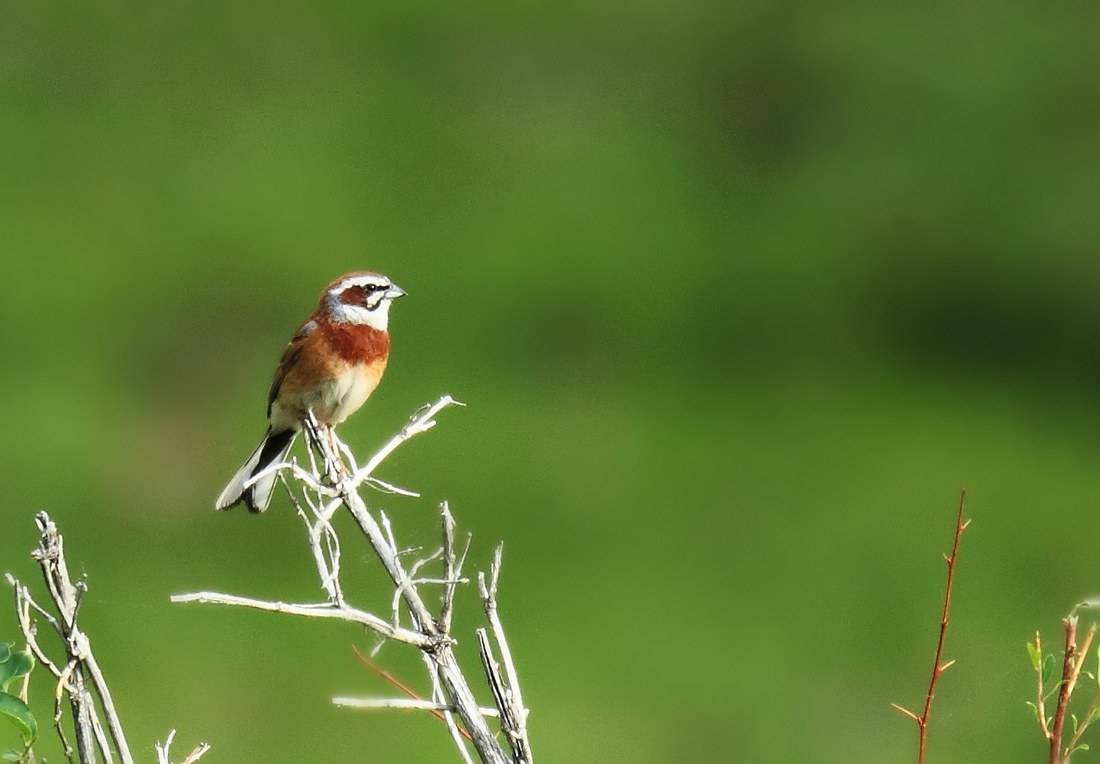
{"x":1035,"y":655}
{"x":17,"y":712}
{"x":792,"y":273}
{"x":1046,"y":710}
{"x":13,"y":666}
{"x":1050,"y":663}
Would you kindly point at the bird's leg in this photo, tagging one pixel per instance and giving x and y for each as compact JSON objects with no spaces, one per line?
{"x":314,"y":433}
{"x":338,"y":466}
{"x":309,"y":422}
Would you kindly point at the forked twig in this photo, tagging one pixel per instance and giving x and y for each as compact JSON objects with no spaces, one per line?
{"x":80,"y":677}
{"x":163,"y":755}
{"x":326,"y":487}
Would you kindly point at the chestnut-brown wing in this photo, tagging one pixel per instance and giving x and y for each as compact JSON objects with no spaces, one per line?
{"x":290,"y":356}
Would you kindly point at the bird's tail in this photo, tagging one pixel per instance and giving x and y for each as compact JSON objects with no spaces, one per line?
{"x":257,"y":496}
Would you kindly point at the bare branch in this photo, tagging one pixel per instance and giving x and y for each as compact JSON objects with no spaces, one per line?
{"x":313,"y":610}
{"x":402,"y":703}
{"x":420,"y":422}
{"x":938,"y":666}
{"x":389,"y":677}
{"x":1040,"y":695}
{"x":450,"y":567}
{"x":50,"y":555}
{"x":81,"y":679}
{"x":513,"y":713}
{"x":322,"y":490}
{"x":458,"y":735}
{"x":454,"y":683}
{"x":164,"y":757}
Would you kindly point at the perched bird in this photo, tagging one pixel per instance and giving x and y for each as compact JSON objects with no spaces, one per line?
{"x":330,"y":367}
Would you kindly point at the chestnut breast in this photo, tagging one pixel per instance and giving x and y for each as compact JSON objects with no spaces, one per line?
{"x":356,"y":343}
{"x":336,"y":369}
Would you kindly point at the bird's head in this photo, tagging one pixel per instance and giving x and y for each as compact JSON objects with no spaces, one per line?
{"x":361,"y":298}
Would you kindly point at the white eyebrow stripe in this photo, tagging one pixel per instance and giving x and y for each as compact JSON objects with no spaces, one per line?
{"x":359,"y":281}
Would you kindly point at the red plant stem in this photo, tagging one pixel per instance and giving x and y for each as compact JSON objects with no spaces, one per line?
{"x":1071,"y":670}
{"x":401,"y":686}
{"x":1068,"y":663}
{"x":945,"y":618}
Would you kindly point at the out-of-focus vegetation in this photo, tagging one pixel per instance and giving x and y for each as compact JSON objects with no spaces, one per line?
{"x":739,"y":296}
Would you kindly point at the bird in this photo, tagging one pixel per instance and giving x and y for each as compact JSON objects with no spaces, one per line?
{"x":329,"y":368}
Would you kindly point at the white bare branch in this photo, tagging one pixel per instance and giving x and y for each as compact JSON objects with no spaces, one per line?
{"x":402,"y":703}
{"x":164,"y":755}
{"x":422,"y":421}
{"x":312,"y":610}
{"x":318,"y":493}
{"x":80,"y":679}
{"x":509,"y":697}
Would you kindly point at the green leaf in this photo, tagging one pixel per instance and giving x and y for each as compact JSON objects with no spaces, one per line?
{"x":16,"y":710}
{"x":15,"y":665}
{"x":1073,"y":718}
{"x":1036,"y":657}
{"x":1048,"y":668}
{"x":5,"y":650}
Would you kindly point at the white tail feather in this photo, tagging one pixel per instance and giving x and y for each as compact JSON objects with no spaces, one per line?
{"x":233,"y":492}
{"x":258,"y":495}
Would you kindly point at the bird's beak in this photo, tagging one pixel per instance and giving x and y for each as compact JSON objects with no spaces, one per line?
{"x":394,"y":292}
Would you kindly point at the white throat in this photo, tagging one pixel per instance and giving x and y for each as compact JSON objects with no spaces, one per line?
{"x":340,"y":313}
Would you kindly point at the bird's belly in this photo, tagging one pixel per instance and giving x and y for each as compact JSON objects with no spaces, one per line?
{"x":346,"y":392}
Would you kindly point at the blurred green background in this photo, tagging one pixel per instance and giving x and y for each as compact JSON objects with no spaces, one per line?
{"x":739,"y":296}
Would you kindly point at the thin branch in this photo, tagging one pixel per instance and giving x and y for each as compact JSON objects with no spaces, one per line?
{"x":403,"y":703}
{"x":1040,"y":706}
{"x":81,"y":678}
{"x":164,"y":757}
{"x":50,"y":555}
{"x":421,"y":421}
{"x":23,"y":605}
{"x":312,"y":610}
{"x":299,"y":474}
{"x":513,"y":712}
{"x":1084,"y":725}
{"x":326,"y":487}
{"x":409,"y":692}
{"x":385,"y":487}
{"x":458,"y":734}
{"x":451,"y":676}
{"x":450,"y":567}
{"x":938,"y":665}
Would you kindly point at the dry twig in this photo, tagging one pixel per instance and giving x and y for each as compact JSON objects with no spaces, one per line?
{"x":322,"y":490}
{"x":163,"y":755}
{"x":80,"y":677}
